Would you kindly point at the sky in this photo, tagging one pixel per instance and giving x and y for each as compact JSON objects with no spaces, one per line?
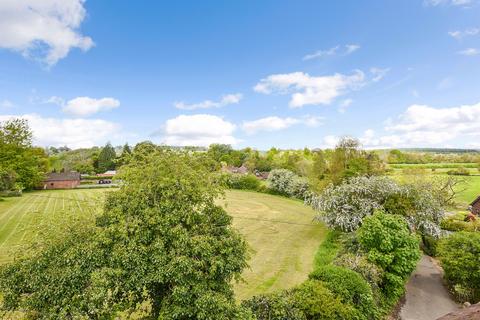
{"x":288,"y":74}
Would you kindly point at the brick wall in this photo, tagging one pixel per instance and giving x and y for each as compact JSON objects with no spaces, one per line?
{"x":67,"y":184}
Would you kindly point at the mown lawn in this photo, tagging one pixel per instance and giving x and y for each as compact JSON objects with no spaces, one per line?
{"x":280,"y":231}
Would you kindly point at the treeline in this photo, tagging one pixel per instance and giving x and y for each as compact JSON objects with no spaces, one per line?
{"x":418,"y":157}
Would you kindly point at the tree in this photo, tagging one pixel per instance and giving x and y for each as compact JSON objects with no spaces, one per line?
{"x":162,"y":247}
{"x":217,"y":151}
{"x":106,"y":158}
{"x":388,"y":242}
{"x":18,"y":157}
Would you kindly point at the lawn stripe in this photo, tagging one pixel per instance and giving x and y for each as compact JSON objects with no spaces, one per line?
{"x":20,"y":216}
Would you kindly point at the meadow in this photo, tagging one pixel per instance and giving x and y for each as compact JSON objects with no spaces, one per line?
{"x":281,"y":233}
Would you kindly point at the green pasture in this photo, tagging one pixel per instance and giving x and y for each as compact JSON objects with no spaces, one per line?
{"x":282,"y":237}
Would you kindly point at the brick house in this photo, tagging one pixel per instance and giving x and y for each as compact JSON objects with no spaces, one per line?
{"x":61,"y":180}
{"x":475,"y":206}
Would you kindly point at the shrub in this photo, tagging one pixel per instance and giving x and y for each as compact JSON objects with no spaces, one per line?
{"x":457,"y":223}
{"x":285,"y":182}
{"x":459,"y":255}
{"x":345,"y":206}
{"x":243,"y":182}
{"x":11,"y":193}
{"x":318,"y":302}
{"x":459,"y":172}
{"x":359,"y":263}
{"x":349,"y":286}
{"x":389,"y":244}
{"x":275,"y":306}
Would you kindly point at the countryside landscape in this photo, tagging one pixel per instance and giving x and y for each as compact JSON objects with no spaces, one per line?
{"x":293,"y":160}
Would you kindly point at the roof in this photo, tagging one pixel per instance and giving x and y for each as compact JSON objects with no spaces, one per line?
{"x":475,"y":201}
{"x":63,"y":176}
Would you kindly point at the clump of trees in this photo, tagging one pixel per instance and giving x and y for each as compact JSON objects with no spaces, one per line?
{"x":161,"y":249}
{"x":22,"y":166}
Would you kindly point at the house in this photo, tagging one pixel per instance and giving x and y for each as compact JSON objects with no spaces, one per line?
{"x":475,"y":206}
{"x":107,"y":174}
{"x":61,"y":180}
{"x":239,"y":170}
{"x":262,"y":175}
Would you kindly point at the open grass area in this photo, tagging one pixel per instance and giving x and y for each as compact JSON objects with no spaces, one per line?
{"x":280,"y":231}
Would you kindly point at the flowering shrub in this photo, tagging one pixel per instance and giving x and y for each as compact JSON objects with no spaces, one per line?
{"x":287,"y":183}
{"x":345,"y":206}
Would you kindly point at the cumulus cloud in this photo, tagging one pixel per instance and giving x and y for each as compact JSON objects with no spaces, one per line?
{"x":460,"y":34}
{"x":469,"y":52}
{"x":310,"y":90}
{"x":43,"y":30}
{"x":233,"y":98}
{"x":275,"y":123}
{"x":344,"y":50}
{"x":198,"y":130}
{"x":84,"y":106}
{"x":75,"y":133}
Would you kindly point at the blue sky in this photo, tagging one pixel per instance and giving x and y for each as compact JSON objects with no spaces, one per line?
{"x":288,"y":74}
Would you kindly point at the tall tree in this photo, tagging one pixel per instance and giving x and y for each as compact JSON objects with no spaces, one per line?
{"x":162,"y":248}
{"x":106,"y":158}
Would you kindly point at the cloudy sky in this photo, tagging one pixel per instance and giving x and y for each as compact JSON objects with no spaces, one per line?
{"x":266,"y":73}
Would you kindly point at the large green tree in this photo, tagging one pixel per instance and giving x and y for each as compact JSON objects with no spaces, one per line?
{"x":162,"y":248}
{"x":106,"y":158}
{"x":18,"y":158}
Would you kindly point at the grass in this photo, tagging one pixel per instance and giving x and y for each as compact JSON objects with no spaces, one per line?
{"x":280,"y":231}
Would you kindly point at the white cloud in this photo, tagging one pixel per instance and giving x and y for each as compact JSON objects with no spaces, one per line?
{"x":459,"y":34}
{"x":6,"y":104}
{"x":330,"y":141}
{"x":275,"y":123}
{"x":310,"y":90}
{"x":345,"y":50}
{"x":378,"y":73}
{"x":198,"y":130}
{"x":469,"y":52}
{"x":344,"y":105}
{"x":227,"y":99}
{"x":84,"y":106}
{"x":350,"y":48}
{"x":75,"y":133}
{"x":460,"y":3}
{"x":44,"y":30}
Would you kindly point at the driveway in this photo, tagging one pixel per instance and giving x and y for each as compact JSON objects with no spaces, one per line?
{"x":426,"y":296}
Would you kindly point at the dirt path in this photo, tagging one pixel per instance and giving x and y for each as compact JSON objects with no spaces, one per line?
{"x":426,"y":297}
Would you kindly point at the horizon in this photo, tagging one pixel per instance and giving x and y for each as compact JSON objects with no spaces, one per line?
{"x":289,"y":75}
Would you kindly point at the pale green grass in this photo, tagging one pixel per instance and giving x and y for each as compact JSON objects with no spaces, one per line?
{"x":280,"y":231}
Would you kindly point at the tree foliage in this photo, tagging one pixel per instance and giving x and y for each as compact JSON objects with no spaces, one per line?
{"x":459,"y":254}
{"x":162,"y":247}
{"x":287,"y":183}
{"x":106,"y":158}
{"x":19,"y":160}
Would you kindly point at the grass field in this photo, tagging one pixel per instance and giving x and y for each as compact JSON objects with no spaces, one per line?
{"x":280,"y":231}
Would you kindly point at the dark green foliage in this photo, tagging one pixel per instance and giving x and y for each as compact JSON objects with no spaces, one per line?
{"x":460,"y":257}
{"x":243,"y":181}
{"x":161,"y":247}
{"x":275,"y":306}
{"x":429,"y":245}
{"x":349,"y":286}
{"x":106,"y":159}
{"x":459,"y":222}
{"x":388,"y":243}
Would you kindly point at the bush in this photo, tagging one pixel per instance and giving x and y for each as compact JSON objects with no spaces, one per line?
{"x":459,"y":172}
{"x":389,"y":244}
{"x":287,"y":183}
{"x":243,"y":182}
{"x":349,"y":286}
{"x":11,"y":193}
{"x":429,"y":245}
{"x":457,"y":223}
{"x":276,"y":306}
{"x":318,"y":302}
{"x":459,"y":255}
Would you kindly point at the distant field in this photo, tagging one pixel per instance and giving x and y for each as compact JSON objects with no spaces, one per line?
{"x":280,"y":231}
{"x":472,"y":190}
{"x":434,"y":165}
